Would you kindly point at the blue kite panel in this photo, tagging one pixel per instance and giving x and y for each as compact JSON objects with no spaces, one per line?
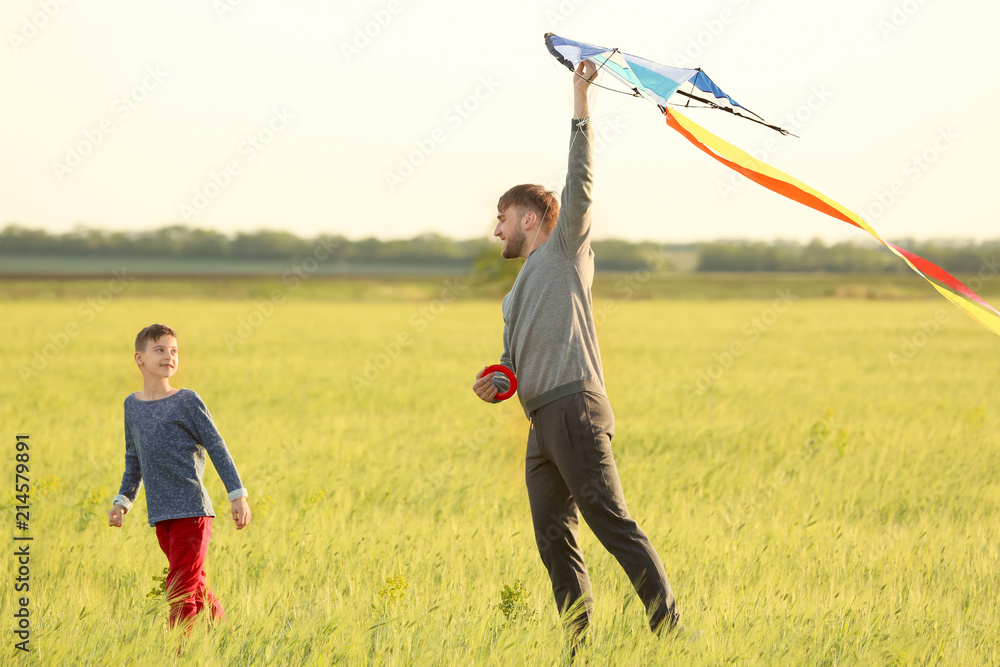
{"x":703,"y":83}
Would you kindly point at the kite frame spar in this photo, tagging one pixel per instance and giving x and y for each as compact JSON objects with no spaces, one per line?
{"x":658,"y":83}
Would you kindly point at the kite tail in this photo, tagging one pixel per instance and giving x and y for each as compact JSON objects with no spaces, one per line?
{"x":948,"y":285}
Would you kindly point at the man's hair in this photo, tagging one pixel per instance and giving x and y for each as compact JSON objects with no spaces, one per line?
{"x":534,"y":197}
{"x":151,"y":333}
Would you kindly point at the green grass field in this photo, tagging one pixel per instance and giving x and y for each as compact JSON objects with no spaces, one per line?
{"x":822,"y":483}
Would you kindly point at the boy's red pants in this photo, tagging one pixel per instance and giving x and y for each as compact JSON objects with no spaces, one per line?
{"x":185,"y":542}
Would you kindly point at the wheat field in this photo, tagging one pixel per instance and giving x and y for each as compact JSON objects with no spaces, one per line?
{"x":820,"y":476}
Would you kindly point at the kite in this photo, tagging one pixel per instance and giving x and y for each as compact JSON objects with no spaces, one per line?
{"x":671,"y":87}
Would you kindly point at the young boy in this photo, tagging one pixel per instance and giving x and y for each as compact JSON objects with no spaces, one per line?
{"x":167,"y":432}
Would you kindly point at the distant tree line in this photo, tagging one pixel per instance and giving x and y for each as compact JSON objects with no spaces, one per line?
{"x":180,"y":241}
{"x":955,"y":257}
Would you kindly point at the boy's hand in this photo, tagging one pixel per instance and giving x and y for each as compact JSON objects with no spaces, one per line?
{"x":484,"y":387}
{"x":116,"y":516}
{"x":241,"y":512}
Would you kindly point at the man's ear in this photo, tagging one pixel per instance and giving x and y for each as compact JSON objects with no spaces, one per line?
{"x":530,"y":219}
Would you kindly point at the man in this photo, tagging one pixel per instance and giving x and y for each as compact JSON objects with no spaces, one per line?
{"x":550,"y":343}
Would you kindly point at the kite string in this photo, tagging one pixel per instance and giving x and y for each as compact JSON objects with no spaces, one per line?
{"x":538,"y":228}
{"x":495,"y":338}
{"x":546,"y":212}
{"x":516,"y":279}
{"x":616,"y":112}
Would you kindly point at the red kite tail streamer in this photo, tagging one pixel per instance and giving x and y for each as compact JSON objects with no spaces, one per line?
{"x":741,"y":162}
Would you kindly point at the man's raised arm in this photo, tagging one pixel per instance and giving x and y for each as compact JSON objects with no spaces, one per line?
{"x":573,"y":229}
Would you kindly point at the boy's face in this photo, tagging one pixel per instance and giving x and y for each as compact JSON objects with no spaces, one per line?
{"x":160,"y":358}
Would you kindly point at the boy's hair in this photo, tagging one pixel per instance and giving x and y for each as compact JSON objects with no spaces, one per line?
{"x":151,"y":333}
{"x":541,"y":201}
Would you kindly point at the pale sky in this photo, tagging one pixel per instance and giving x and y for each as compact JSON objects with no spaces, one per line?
{"x":391,"y":118}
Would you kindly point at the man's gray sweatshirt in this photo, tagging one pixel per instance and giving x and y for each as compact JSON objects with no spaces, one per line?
{"x":550,"y":341}
{"x":165,"y":444}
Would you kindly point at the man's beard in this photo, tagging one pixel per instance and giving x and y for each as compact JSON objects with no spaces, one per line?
{"x":513,"y":246}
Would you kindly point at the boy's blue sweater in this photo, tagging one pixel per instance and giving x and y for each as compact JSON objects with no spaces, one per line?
{"x":165,"y":444}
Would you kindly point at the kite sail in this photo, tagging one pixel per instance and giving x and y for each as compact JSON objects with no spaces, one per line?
{"x":672,"y":87}
{"x":657,"y":83}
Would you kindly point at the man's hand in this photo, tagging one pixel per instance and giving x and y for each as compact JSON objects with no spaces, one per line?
{"x":484,"y":387}
{"x":584,"y":74}
{"x":241,"y":512}
{"x":116,"y":517}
